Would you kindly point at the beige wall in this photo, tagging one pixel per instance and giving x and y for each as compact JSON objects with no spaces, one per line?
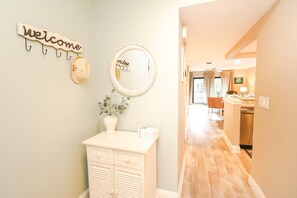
{"x":275,"y":130}
{"x":44,"y":116}
{"x":251,"y":80}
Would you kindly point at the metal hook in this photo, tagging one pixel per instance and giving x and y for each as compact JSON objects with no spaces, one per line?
{"x":58,"y":56}
{"x":68,"y":58}
{"x":44,"y":51}
{"x":26,"y":46}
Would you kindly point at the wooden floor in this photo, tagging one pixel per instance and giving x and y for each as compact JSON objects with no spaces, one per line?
{"x":211,"y":170}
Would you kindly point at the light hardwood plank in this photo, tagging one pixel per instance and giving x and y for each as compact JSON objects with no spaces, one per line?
{"x":211,"y":169}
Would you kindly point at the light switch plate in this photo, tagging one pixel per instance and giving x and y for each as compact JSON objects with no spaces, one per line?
{"x":264,"y":102}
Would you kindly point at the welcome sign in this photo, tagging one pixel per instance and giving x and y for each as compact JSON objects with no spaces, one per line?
{"x":48,"y":38}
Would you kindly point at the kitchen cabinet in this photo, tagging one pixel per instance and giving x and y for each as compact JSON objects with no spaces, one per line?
{"x":121,"y":165}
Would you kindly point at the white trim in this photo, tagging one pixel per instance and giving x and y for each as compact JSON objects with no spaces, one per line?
{"x":161,"y":193}
{"x":194,"y":2}
{"x":85,"y":194}
{"x":233,"y":149}
{"x":166,"y":194}
{"x":255,"y":187}
{"x":181,"y":178}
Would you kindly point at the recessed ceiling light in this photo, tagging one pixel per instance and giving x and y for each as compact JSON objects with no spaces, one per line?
{"x":237,"y":62}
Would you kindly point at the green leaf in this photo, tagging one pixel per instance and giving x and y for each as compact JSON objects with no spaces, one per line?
{"x":109,"y":108}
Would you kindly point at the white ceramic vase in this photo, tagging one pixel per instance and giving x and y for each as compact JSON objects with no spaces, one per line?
{"x":110,"y":123}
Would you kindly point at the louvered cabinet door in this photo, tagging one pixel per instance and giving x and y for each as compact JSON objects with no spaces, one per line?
{"x":128,"y":183}
{"x":101,"y":178}
{"x":121,"y":165}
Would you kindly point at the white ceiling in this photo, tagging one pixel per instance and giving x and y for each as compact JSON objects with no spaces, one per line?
{"x":213,"y":28}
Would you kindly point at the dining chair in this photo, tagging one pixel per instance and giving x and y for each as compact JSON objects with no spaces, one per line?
{"x":215,"y":103}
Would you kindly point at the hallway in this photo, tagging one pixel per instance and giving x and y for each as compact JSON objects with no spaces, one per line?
{"x":211,"y":170}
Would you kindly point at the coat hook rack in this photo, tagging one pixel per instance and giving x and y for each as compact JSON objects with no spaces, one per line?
{"x":44,"y":51}
{"x":58,"y":56}
{"x":68,"y":58}
{"x":50,"y":39}
{"x":26,"y":46}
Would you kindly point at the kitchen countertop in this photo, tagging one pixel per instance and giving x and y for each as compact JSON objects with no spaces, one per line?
{"x":243,"y":102}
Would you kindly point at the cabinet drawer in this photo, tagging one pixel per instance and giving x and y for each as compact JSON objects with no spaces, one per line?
{"x":129,"y":159}
{"x":98,"y":154}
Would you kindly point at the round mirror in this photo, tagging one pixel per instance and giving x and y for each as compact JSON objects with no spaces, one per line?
{"x":132,"y":70}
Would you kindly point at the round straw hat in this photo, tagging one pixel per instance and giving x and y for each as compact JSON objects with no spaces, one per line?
{"x":80,"y":70}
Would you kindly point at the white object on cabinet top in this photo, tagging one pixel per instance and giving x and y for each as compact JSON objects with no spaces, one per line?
{"x":121,"y":140}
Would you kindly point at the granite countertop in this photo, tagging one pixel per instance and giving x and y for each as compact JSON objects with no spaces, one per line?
{"x":242,"y":101}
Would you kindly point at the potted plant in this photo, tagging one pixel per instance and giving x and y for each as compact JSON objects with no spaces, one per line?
{"x":112,"y":110}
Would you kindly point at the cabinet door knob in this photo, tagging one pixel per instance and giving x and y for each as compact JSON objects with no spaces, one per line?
{"x":127,"y":160}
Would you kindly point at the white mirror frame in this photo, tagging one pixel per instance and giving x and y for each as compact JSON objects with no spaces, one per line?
{"x":115,"y":82}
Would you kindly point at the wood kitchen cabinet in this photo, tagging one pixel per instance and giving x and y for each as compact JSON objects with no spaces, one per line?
{"x":121,"y":165}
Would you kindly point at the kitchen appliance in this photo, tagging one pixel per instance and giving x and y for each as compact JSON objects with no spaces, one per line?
{"x":246,"y":127}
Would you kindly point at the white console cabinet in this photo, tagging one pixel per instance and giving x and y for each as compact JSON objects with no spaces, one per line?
{"x":121,"y":165}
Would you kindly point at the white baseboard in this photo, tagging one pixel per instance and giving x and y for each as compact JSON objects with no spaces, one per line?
{"x":161,"y":194}
{"x":233,"y":149}
{"x":166,"y":194}
{"x":255,"y":187}
{"x":181,"y":177}
{"x":85,"y":194}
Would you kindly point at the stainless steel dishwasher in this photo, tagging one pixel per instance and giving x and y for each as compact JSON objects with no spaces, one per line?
{"x":246,"y":127}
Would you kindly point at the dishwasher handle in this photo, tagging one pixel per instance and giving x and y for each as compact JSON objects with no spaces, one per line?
{"x":247,"y":111}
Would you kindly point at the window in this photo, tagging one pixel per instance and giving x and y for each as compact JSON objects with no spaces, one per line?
{"x":198,"y":95}
{"x":217,"y":88}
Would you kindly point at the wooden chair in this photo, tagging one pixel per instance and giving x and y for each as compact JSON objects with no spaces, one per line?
{"x":215,"y":103}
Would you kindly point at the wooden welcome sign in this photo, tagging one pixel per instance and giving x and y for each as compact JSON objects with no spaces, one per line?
{"x":48,"y":38}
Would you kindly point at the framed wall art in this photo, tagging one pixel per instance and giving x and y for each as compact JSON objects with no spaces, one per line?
{"x":238,"y":80}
